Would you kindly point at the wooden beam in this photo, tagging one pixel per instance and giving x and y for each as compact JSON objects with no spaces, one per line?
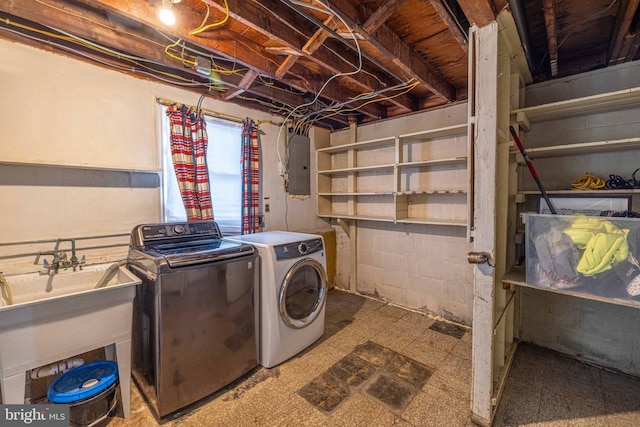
{"x":313,"y":44}
{"x":120,"y":36}
{"x":549,"y":9}
{"x":478,"y":12}
{"x":225,"y":43}
{"x":278,"y":28}
{"x":454,"y":29}
{"x":245,"y":83}
{"x":635,"y":45}
{"x":389,"y":44}
{"x":380,"y":16}
{"x":621,"y":32}
{"x":220,"y":41}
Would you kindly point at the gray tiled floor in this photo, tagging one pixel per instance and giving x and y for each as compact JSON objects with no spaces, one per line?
{"x":370,"y":348}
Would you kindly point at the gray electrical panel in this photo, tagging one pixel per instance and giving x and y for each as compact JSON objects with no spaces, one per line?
{"x":299,"y":150}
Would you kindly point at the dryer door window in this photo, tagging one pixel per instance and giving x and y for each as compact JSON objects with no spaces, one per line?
{"x":303,"y":293}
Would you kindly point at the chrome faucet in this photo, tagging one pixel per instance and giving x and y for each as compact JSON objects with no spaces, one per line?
{"x":73,"y":262}
{"x":52,"y":268}
{"x":60,"y":258}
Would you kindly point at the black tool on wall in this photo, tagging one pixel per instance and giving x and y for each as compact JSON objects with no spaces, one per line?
{"x":534,"y":174}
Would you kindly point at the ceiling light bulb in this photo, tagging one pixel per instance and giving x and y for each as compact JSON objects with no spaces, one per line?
{"x":166,"y":15}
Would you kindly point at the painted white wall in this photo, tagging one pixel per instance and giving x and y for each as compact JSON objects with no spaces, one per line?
{"x":422,"y":267}
{"x":603,"y":333}
{"x":58,"y":111}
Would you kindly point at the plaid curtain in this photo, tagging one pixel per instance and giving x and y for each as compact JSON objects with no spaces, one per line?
{"x":250,"y":178}
{"x":189,"y":155}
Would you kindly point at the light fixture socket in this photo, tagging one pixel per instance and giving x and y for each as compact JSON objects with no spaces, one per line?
{"x":166,"y":15}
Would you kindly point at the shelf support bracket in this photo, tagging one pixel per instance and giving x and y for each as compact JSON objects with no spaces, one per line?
{"x":344,"y":224}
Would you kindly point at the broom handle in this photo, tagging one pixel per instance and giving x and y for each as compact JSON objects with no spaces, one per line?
{"x":531,"y":168}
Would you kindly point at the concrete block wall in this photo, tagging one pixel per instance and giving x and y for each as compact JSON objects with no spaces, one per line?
{"x":422,"y":267}
{"x":607,"y":334}
{"x":416,"y":266}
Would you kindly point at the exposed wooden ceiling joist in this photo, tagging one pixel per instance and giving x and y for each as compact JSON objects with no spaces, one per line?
{"x":224,"y":43}
{"x":380,"y":16}
{"x":552,"y":35}
{"x":621,"y":32}
{"x":388,"y":43}
{"x":478,"y":12}
{"x":454,"y":29}
{"x":280,"y":29}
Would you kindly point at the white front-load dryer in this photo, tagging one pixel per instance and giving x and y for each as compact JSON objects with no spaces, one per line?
{"x":292,"y":292}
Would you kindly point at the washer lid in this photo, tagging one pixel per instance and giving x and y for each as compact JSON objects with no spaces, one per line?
{"x":83,"y":382}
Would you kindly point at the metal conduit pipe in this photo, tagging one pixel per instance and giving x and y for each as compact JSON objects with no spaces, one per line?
{"x":517,"y":11}
{"x":318,"y":23}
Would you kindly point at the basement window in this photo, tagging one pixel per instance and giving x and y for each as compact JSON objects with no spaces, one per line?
{"x":225,"y":174}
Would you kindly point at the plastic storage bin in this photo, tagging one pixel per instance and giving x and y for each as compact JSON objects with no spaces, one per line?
{"x":90,"y":392}
{"x":584,"y":254}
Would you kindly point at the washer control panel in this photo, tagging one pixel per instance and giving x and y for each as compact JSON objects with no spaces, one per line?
{"x":148,"y":233}
{"x":298,"y":249}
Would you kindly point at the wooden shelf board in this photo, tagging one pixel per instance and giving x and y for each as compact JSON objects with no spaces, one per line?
{"x":357,"y":169}
{"x":363,"y":217}
{"x":438,"y":162}
{"x":626,"y":98}
{"x":516,"y":276}
{"x":79,"y":166}
{"x":428,"y":192}
{"x":374,"y":143}
{"x":435,"y":133}
{"x":383,"y":193}
{"x":578,"y":192}
{"x":434,"y":221}
{"x":584,"y":148}
{"x":427,"y":221}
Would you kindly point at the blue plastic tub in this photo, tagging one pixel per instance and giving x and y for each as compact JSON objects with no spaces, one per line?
{"x":90,"y":392}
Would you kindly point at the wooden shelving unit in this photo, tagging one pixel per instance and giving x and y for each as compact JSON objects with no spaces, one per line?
{"x":416,"y":178}
{"x":517,"y":277}
{"x":600,"y":103}
{"x":611,"y":101}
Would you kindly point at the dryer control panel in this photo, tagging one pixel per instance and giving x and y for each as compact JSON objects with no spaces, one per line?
{"x":298,"y":249}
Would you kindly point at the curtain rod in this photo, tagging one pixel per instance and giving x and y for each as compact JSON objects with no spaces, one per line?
{"x":167,"y":102}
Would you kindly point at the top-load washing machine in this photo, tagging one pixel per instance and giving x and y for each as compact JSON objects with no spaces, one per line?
{"x":293,"y":289}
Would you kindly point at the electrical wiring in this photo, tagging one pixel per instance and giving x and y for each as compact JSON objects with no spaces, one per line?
{"x":83,"y":17}
{"x":181,"y":81}
{"x":179,"y":58}
{"x":337,"y":107}
{"x":203,"y":27}
{"x":190,"y":48}
{"x":306,"y":36}
{"x":356,"y":71}
{"x":192,"y":63}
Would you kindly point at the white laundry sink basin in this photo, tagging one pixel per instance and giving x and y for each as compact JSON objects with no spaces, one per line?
{"x":55,"y":317}
{"x":37,"y":287}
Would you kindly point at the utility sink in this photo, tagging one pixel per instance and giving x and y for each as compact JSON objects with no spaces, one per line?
{"x":40,"y":287}
{"x":63,"y":315}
